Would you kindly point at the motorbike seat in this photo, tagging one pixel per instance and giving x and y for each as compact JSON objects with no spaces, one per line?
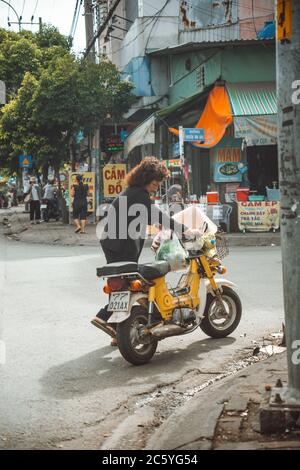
{"x":155,"y":270}
{"x":149,"y":271}
{"x":113,"y":269}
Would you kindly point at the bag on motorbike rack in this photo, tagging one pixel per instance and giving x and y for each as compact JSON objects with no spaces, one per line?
{"x":173,"y":252}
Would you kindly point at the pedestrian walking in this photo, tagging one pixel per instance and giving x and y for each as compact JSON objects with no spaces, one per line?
{"x":34,"y":196}
{"x":79,"y":192}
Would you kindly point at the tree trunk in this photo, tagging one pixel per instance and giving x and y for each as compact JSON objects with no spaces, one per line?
{"x":73,"y":152}
{"x":61,"y":199}
{"x":45,"y":172}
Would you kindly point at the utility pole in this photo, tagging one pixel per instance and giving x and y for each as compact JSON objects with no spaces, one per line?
{"x":101,"y":28}
{"x":19,"y":22}
{"x":89,"y":27}
{"x":286,"y":400}
{"x":94,"y":139}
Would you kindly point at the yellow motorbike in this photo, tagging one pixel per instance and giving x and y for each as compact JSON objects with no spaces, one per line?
{"x":147,"y":310}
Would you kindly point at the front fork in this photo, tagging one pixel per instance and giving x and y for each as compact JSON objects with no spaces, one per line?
{"x":216,"y":289}
{"x":151,"y":298}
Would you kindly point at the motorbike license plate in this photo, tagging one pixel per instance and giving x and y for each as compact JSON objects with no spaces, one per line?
{"x":44,"y":206}
{"x":119,"y":302}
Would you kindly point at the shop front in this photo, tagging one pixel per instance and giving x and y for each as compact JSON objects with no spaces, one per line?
{"x":237,"y":163}
{"x":243,"y":165}
{"x":254,"y":107}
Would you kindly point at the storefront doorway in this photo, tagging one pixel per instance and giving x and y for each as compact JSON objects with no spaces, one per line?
{"x":200,"y":175}
{"x":262,"y":167}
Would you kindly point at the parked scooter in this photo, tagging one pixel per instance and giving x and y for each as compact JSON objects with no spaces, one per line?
{"x":146,"y":310}
{"x":50,"y":208}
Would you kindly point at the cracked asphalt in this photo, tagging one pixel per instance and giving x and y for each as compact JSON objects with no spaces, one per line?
{"x":63,"y":385}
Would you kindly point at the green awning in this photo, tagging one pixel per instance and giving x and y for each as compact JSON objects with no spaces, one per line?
{"x":252,"y":99}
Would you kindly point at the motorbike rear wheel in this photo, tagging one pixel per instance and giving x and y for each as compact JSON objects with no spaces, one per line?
{"x":136,"y":349}
{"x":217,"y":325}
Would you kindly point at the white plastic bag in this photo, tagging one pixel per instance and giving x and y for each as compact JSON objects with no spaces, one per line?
{"x":193,"y":217}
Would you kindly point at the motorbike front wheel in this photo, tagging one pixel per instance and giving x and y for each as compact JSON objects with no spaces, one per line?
{"x":134,"y":347}
{"x":215,"y":323}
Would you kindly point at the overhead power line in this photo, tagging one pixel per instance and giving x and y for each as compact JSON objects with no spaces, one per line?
{"x":36,"y":4}
{"x":74,"y":18}
{"x":24,"y":1}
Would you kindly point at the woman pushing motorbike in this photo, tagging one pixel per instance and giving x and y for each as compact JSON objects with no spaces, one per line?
{"x":118,"y":242}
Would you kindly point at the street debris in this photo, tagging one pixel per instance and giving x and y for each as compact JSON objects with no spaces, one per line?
{"x":271,"y":349}
{"x":13,"y":237}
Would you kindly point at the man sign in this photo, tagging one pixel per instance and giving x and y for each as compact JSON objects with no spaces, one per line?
{"x":113,"y":179}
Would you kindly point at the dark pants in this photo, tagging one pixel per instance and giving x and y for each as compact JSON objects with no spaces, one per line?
{"x":35,"y":210}
{"x":112,"y":257}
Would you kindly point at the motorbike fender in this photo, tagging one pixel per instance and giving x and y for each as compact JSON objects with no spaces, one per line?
{"x":220,"y":283}
{"x":205,"y":288}
{"x":119,"y":317}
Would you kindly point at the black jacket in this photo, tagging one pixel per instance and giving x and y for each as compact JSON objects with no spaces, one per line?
{"x":117,"y":237}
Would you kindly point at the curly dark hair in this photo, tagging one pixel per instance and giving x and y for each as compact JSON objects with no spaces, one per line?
{"x":148,"y":170}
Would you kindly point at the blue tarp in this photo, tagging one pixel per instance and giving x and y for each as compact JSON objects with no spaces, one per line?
{"x":268,"y":31}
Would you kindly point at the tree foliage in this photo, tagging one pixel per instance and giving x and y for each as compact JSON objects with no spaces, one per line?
{"x":52,"y":95}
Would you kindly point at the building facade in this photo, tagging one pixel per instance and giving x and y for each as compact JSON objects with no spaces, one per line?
{"x":176,"y":53}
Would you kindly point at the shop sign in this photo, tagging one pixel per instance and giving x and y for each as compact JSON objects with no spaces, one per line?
{"x":258,"y":216}
{"x":175,"y":163}
{"x":113,"y":179}
{"x":87,"y":178}
{"x":114,"y":143}
{"x":193,"y":134}
{"x":229,"y":154}
{"x":257,"y":130}
{"x":227,"y":171}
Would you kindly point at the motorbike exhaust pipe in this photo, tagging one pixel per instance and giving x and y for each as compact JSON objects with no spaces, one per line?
{"x":164,"y":331}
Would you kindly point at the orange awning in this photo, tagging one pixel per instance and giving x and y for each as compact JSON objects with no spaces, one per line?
{"x":215,"y":118}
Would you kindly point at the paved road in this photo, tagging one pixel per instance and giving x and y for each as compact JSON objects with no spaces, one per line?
{"x":62,"y":377}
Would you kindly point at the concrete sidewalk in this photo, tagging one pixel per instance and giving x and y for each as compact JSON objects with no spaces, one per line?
{"x":57,"y":233}
{"x":17,"y":227}
{"x":225,"y":416}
